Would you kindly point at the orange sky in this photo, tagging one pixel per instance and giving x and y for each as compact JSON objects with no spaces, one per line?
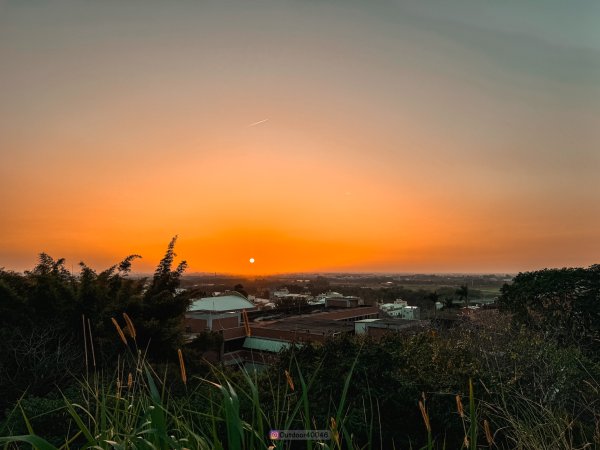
{"x":312,"y":137}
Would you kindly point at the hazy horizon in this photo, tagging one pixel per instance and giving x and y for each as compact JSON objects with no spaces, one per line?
{"x":384,"y":136}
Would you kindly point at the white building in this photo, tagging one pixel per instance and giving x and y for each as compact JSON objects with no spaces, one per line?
{"x":401,"y":310}
{"x":278,"y":293}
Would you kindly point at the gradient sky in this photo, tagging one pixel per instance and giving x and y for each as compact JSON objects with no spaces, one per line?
{"x":312,"y":135}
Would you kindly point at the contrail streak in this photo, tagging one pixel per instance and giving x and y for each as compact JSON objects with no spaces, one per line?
{"x":258,"y":123}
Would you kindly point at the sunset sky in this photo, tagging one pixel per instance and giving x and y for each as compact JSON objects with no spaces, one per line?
{"x":311,"y":135}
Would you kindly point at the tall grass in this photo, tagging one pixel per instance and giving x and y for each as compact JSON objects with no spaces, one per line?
{"x":528,"y":423}
{"x":469,"y":423}
{"x":135,"y":409}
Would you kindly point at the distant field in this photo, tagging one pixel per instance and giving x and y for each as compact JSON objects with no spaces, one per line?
{"x":486,"y":290}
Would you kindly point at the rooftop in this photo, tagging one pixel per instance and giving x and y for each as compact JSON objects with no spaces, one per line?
{"x":309,"y":325}
{"x":221,"y":303}
{"x":264,"y":344}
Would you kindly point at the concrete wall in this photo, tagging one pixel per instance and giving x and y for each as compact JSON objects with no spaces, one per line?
{"x":377,"y":333}
{"x":233,"y":333}
{"x":195,"y":325}
{"x":286,"y":335}
{"x":226,"y":322}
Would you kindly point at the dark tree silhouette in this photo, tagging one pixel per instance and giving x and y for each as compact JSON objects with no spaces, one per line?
{"x":463,"y":293}
{"x":563,"y":303}
{"x":163,"y":308}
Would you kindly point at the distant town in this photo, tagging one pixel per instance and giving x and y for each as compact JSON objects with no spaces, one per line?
{"x":253,"y":319}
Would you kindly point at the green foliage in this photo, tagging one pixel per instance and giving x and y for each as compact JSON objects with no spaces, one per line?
{"x":207,"y":340}
{"x":226,"y":412}
{"x":234,"y":410}
{"x":562,"y":303}
{"x":54,"y":324}
{"x":163,"y":308}
{"x":239,"y":288}
{"x":319,"y":285}
{"x":46,"y":416}
{"x":433,"y":297}
{"x":396,"y":369}
{"x":463,"y":293}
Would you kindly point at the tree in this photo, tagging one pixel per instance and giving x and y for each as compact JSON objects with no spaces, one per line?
{"x":296,"y":288}
{"x":563,"y":303}
{"x":239,"y":288}
{"x":433,"y":297}
{"x":52,"y":292}
{"x":319,"y":285}
{"x":163,"y":309}
{"x":14,"y":309}
{"x":463,"y":293}
{"x":51,"y":319}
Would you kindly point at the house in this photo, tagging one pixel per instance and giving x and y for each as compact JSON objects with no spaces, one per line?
{"x":219,"y":313}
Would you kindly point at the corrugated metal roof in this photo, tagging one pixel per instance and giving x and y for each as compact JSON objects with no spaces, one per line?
{"x":221,"y":303}
{"x":266,"y":345}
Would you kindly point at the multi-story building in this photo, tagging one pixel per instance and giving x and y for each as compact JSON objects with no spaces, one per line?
{"x":401,"y":310}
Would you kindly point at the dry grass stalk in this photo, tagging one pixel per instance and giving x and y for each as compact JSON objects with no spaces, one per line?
{"x":91,"y":343}
{"x":459,"y":407}
{"x":290,"y":381}
{"x":129,"y":381}
{"x":85,"y":342}
{"x":130,"y":326}
{"x":425,"y":416}
{"x":119,"y":330}
{"x":334,"y":431}
{"x":488,"y":433}
{"x":182,"y":366}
